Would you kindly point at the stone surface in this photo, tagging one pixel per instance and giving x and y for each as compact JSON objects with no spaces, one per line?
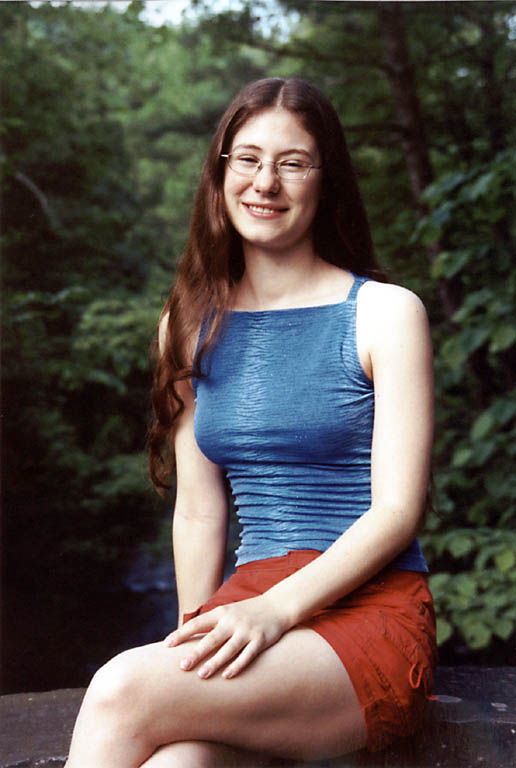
{"x":471,"y":723}
{"x":35,"y":728}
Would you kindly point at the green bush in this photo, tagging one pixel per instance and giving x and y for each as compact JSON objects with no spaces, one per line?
{"x":471,"y":544}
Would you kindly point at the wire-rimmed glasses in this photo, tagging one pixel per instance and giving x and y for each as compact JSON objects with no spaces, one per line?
{"x":291,"y":169}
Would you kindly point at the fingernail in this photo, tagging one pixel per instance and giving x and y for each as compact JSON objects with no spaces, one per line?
{"x":204,"y":672}
{"x":186,"y":664}
{"x":228,"y":673}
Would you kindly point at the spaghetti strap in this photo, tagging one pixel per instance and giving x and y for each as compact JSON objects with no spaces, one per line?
{"x":358,"y":282}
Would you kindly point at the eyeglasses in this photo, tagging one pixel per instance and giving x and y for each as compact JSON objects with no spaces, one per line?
{"x":249,"y":165}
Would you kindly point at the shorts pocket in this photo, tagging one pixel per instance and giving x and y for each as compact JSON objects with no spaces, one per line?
{"x":417,"y":646}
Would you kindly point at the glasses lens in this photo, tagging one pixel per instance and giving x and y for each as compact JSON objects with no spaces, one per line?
{"x":247,"y":165}
{"x":293,"y":169}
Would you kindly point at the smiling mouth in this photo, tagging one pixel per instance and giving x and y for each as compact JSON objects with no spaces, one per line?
{"x":264,"y":209}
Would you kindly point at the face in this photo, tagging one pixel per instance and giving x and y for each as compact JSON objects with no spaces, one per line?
{"x":269,"y":212}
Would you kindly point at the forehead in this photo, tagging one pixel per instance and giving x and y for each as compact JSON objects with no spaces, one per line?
{"x":275,"y":130}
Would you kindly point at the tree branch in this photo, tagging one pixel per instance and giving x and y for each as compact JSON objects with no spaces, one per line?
{"x":50,"y":215}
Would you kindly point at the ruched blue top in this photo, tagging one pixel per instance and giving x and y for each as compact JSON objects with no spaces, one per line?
{"x":285,"y":408}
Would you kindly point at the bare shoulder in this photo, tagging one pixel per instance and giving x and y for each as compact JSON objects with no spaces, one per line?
{"x":183,"y":387}
{"x":163,"y":332}
{"x":164,"y":338}
{"x":384,"y":307}
{"x":391,"y":324}
{"x":386,"y":297}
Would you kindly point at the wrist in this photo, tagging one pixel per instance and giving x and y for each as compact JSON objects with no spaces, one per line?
{"x":284,"y":605}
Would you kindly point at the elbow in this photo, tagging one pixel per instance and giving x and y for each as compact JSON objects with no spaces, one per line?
{"x":411,"y":522}
{"x":403,"y":522}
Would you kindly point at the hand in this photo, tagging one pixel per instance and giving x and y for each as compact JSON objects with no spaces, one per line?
{"x":235,"y":633}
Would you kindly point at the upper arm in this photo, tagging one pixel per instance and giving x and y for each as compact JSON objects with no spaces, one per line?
{"x":201,"y":489}
{"x":394,"y":330}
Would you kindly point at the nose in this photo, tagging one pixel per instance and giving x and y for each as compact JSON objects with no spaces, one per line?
{"x":266,"y":179}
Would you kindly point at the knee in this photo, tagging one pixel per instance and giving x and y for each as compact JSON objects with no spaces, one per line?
{"x":190,"y":754}
{"x":117,"y":685}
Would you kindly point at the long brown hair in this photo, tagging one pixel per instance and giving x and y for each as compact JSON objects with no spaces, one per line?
{"x":213,"y":260}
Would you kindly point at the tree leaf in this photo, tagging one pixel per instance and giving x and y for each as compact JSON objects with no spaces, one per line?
{"x":438,"y":582}
{"x":480,"y":187}
{"x":449,"y":263}
{"x":476,"y":633}
{"x":503,"y":628}
{"x":505,"y":560}
{"x":444,"y":630}
{"x":460,"y":545}
{"x":453,"y":352}
{"x":482,"y":425}
{"x":462,"y":456}
{"x":466,"y":584}
{"x":503,"y":338}
{"x":504,"y":408}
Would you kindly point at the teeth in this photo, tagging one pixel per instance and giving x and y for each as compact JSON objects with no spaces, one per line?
{"x":261,"y":209}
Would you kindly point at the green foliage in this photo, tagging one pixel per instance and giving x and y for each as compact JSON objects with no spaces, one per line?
{"x":115,"y":333}
{"x":476,"y":398}
{"x":478,"y":603}
{"x":105,"y":123}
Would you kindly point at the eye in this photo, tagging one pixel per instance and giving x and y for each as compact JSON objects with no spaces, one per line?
{"x":294,"y":167}
{"x":294,"y":164}
{"x":249,"y":160}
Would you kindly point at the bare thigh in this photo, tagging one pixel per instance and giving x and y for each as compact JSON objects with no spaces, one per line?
{"x":295,"y":700}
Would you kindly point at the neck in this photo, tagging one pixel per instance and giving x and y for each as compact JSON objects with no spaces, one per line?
{"x":274,"y":280}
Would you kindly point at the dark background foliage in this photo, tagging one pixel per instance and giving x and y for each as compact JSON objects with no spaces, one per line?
{"x":104,"y":124}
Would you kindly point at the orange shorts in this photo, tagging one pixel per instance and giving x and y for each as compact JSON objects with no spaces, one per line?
{"x":383,"y":632}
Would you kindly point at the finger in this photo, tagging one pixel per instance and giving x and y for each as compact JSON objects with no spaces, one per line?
{"x":243,"y":660}
{"x":225,"y":654}
{"x":204,"y":647}
{"x":199,"y":625}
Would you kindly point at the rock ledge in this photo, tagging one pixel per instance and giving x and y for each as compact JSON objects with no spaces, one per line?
{"x":471,"y":724}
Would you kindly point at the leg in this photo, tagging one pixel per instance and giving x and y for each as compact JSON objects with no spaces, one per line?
{"x":294,"y":701}
{"x":204,"y":754}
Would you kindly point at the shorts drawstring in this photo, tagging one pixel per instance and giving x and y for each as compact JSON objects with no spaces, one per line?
{"x":418,"y":668}
{"x":415,"y":667}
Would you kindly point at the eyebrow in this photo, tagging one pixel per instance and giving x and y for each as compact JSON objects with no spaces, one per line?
{"x":291,"y":151}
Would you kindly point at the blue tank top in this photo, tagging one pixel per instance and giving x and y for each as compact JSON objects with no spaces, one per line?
{"x":285,"y":408}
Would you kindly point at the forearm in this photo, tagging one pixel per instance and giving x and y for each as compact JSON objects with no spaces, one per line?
{"x":254,"y":624}
{"x":365,"y":548}
{"x":199,"y":546}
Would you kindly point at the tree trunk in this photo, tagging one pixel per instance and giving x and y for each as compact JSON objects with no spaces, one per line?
{"x":401,"y":77}
{"x":492,"y":88}
{"x":400,"y":73}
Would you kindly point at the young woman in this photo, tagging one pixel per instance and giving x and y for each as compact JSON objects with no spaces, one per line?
{"x":289,"y":367}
